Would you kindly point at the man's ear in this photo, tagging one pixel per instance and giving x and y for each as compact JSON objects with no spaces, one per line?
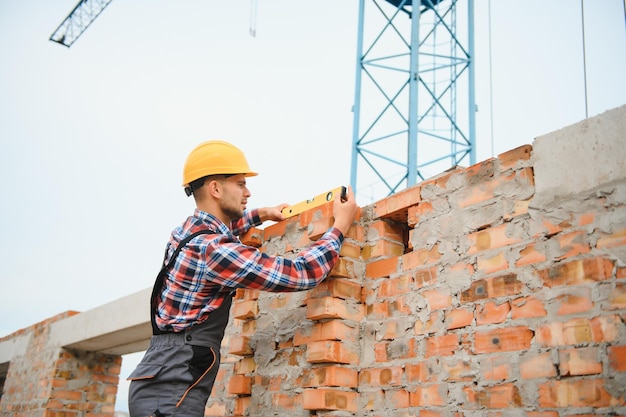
{"x":214,"y":188}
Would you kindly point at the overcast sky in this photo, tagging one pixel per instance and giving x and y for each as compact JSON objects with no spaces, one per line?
{"x":94,"y":136}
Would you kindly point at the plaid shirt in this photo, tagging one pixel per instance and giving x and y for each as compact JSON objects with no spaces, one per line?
{"x":212,"y":265}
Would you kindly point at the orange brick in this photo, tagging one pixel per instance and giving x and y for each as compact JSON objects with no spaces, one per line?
{"x":396,"y":206}
{"x":244,"y":310}
{"x":240,"y":385}
{"x":493,"y":238}
{"x":617,"y":358}
{"x":382,"y":268}
{"x":395,"y":286}
{"x":331,"y":352}
{"x":499,"y":286}
{"x":432,"y":325}
{"x":420,"y":257}
{"x":459,"y":317}
{"x":574,"y":303}
{"x":423,"y":208}
{"x":381,"y":229}
{"x":283,"y":401}
{"x":537,"y":365}
{"x":617,"y":297}
{"x":444,"y":345}
{"x":499,"y":396}
{"x":577,"y":272}
{"x":438,"y":298}
{"x":398,"y":398}
{"x":530,"y":255}
{"x":240,"y":345}
{"x":515,"y":208}
{"x":333,"y":308}
{"x":527,"y":307}
{"x":317,"y":228}
{"x":426,"y":371}
{"x":337,"y":287}
{"x":278,"y":229}
{"x":490,"y":264}
{"x":429,"y":395}
{"x":572,"y":244}
{"x":501,"y":340}
{"x":381,"y":377}
{"x":578,"y":331}
{"x":330,"y":376}
{"x":492,"y":313}
{"x":350,"y":249}
{"x":615,"y":239}
{"x":253,"y":237}
{"x":426,"y":276}
{"x":576,"y":393}
{"x":382,"y":249}
{"x":511,"y":158}
{"x":496,"y":368}
{"x":579,"y":361}
{"x":329,"y":399}
{"x":457,"y":370}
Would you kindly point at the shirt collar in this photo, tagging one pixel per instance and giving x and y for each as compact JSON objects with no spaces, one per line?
{"x":211,"y":221}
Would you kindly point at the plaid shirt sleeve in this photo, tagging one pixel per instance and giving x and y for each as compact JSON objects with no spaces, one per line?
{"x":232,"y":264}
{"x":210,"y":266}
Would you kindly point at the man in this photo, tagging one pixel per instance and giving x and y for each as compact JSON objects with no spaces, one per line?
{"x":204,"y":263}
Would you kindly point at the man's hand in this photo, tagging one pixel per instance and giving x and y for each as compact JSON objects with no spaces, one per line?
{"x":345,"y":211}
{"x":272,"y":213}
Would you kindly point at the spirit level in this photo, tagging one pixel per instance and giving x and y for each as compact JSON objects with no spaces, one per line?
{"x":318,"y":200}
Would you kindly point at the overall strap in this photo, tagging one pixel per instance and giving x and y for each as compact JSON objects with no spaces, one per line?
{"x":158,"y":283}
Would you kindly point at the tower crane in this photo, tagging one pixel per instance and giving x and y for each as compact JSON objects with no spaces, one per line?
{"x":409,"y":123}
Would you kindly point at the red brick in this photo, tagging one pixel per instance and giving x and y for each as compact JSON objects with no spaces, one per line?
{"x":382,"y":249}
{"x":429,"y":395}
{"x":572,"y":244}
{"x":336,"y":287}
{"x":459,"y":317}
{"x":502,"y":340}
{"x":396,"y":206}
{"x":381,"y":377}
{"x":493,"y":238}
{"x":530,"y":255}
{"x":330,"y":376}
{"x":253,"y":237}
{"x":420,"y":257}
{"x":578,"y":331}
{"x":491,"y":264}
{"x":617,"y":297}
{"x":492,"y":313}
{"x":527,"y":307}
{"x":499,"y":286}
{"x":244,"y":310}
{"x":499,"y":396}
{"x":577,"y":272}
{"x":576,"y":393}
{"x":381,"y":229}
{"x":444,"y":345}
{"x":416,"y":212}
{"x":432,"y":325}
{"x":617,"y":358}
{"x":615,"y":239}
{"x":331,"y":352}
{"x":382,"y":268}
{"x":537,"y":365}
{"x":574,"y":303}
{"x":426,"y":371}
{"x":496,"y":368}
{"x":426,"y":276}
{"x":579,"y":361}
{"x":395,"y":286}
{"x":329,"y":399}
{"x":240,"y":345}
{"x":511,"y":158}
{"x":333,"y":308}
{"x":240,"y":385}
{"x":438,"y":298}
{"x":457,"y":370}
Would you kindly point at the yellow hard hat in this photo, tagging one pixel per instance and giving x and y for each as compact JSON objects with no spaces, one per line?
{"x":215,"y":157}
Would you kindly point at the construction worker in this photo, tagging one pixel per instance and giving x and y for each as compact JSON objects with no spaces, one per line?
{"x":204,"y":263}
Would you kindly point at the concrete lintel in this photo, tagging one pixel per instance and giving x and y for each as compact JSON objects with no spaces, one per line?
{"x":580,"y":157}
{"x":121,"y":327}
{"x":14,"y":347}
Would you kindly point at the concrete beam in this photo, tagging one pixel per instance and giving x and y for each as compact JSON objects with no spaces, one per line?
{"x":119,"y":327}
{"x":580,"y":157}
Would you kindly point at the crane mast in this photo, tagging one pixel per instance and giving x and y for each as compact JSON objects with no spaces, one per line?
{"x":78,"y":21}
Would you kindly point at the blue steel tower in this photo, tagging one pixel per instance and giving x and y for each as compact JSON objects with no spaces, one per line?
{"x":414,"y":97}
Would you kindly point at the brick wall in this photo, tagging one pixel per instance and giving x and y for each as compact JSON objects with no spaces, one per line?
{"x":494,"y":290}
{"x":457,"y":297}
{"x":50,"y":381}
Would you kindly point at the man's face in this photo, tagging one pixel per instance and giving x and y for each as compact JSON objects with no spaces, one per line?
{"x":235,"y":197}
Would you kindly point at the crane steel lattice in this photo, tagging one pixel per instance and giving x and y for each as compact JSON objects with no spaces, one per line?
{"x":406,"y":121}
{"x":78,"y":21}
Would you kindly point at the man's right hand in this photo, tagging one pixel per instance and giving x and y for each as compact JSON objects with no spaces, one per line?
{"x":345,"y":211}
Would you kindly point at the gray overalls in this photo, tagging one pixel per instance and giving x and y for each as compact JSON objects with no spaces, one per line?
{"x":176,"y":375}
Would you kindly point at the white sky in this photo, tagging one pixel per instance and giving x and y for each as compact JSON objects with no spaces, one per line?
{"x":93,"y":138}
